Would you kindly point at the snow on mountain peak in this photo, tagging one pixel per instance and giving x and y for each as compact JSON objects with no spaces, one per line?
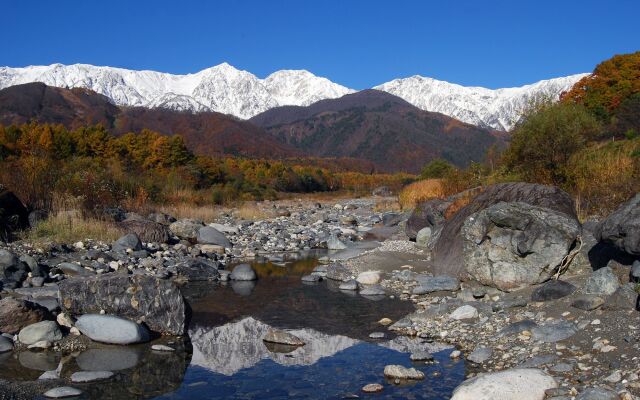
{"x":226,"y":89}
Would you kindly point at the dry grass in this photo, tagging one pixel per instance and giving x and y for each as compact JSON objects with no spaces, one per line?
{"x":71,"y":226}
{"x":387,"y":205}
{"x":420,"y":191}
{"x":206,"y":213}
{"x":252,"y":211}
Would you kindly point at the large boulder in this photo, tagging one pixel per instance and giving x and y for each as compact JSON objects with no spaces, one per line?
{"x":512,"y":384}
{"x":14,"y":216}
{"x":12,"y":270}
{"x":622,"y":227}
{"x":429,"y":213}
{"x":186,"y":229}
{"x":210,"y":235}
{"x":157,"y":303}
{"x":514,"y":245}
{"x":16,"y":314}
{"x":147,"y":231}
{"x":126,"y":242}
{"x":447,"y":240}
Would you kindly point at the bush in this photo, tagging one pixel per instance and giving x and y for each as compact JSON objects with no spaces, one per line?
{"x":542,"y":145}
{"x":436,"y":169}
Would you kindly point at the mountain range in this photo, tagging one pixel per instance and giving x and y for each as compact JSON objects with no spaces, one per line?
{"x":227,"y":90}
{"x":370,"y":127}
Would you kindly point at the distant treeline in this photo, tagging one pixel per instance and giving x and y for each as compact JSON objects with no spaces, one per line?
{"x":42,"y":161}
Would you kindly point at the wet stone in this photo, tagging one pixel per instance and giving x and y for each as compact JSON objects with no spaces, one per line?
{"x":90,"y":376}
{"x":62,"y":392}
{"x":349,"y":285}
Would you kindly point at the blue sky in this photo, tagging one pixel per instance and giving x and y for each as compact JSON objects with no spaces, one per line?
{"x":356,"y":43}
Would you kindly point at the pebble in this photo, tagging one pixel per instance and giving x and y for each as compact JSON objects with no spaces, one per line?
{"x":372,"y":388}
{"x":161,"y":347}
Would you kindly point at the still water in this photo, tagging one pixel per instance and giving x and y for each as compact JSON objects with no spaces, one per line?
{"x":226,"y":358}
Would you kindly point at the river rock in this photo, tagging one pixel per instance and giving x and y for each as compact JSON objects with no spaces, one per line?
{"x":12,"y":270}
{"x":5,"y":344}
{"x":210,"y":235}
{"x":552,"y":290}
{"x":90,"y":376}
{"x":282,"y":337}
{"x":351,"y":284}
{"x":158,"y":303}
{"x":126,"y":242}
{"x":427,"y":214}
{"x":421,"y":356}
{"x":195,"y":269}
{"x":403,"y":373}
{"x":602,"y":282}
{"x":464,"y":312}
{"x":596,"y":393}
{"x":624,"y":298}
{"x":368,"y":278}
{"x":243,"y":272}
{"x":429,"y":284}
{"x":480,"y":355}
{"x":62,"y":392}
{"x":514,"y":245}
{"x":372,"y":290}
{"x":554,"y":331}
{"x":72,"y":269}
{"x":513,"y":384}
{"x":622,"y":227}
{"x":423,"y":237}
{"x":587,"y":302}
{"x":447,"y":254}
{"x":372,"y":388}
{"x":338,"y":272}
{"x":111,"y":329}
{"x":311,"y":278}
{"x":40,"y":331}
{"x":146,"y":230}
{"x":186,"y":229}
{"x":333,"y":243}
{"x":517,"y":327}
{"x":16,"y":314}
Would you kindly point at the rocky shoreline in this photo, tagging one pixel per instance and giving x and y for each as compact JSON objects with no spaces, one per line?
{"x":508,"y":276}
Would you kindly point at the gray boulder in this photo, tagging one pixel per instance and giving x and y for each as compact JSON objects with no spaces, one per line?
{"x":587,"y":302}
{"x":12,"y":270}
{"x":126,"y":242}
{"x":447,"y":244}
{"x":186,"y":229}
{"x":210,"y":235}
{"x":519,"y":383}
{"x":622,"y":227}
{"x":194,"y":269}
{"x":158,"y":303}
{"x":243,"y":272}
{"x":601,"y":282}
{"x":43,"y":331}
{"x":514,"y":245}
{"x":111,"y":329}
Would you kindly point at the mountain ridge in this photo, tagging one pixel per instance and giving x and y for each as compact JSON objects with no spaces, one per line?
{"x":228,"y":90}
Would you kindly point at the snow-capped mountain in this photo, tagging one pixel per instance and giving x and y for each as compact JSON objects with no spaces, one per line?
{"x":497,"y":109}
{"x":222,"y":88}
{"x":228,"y":90}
